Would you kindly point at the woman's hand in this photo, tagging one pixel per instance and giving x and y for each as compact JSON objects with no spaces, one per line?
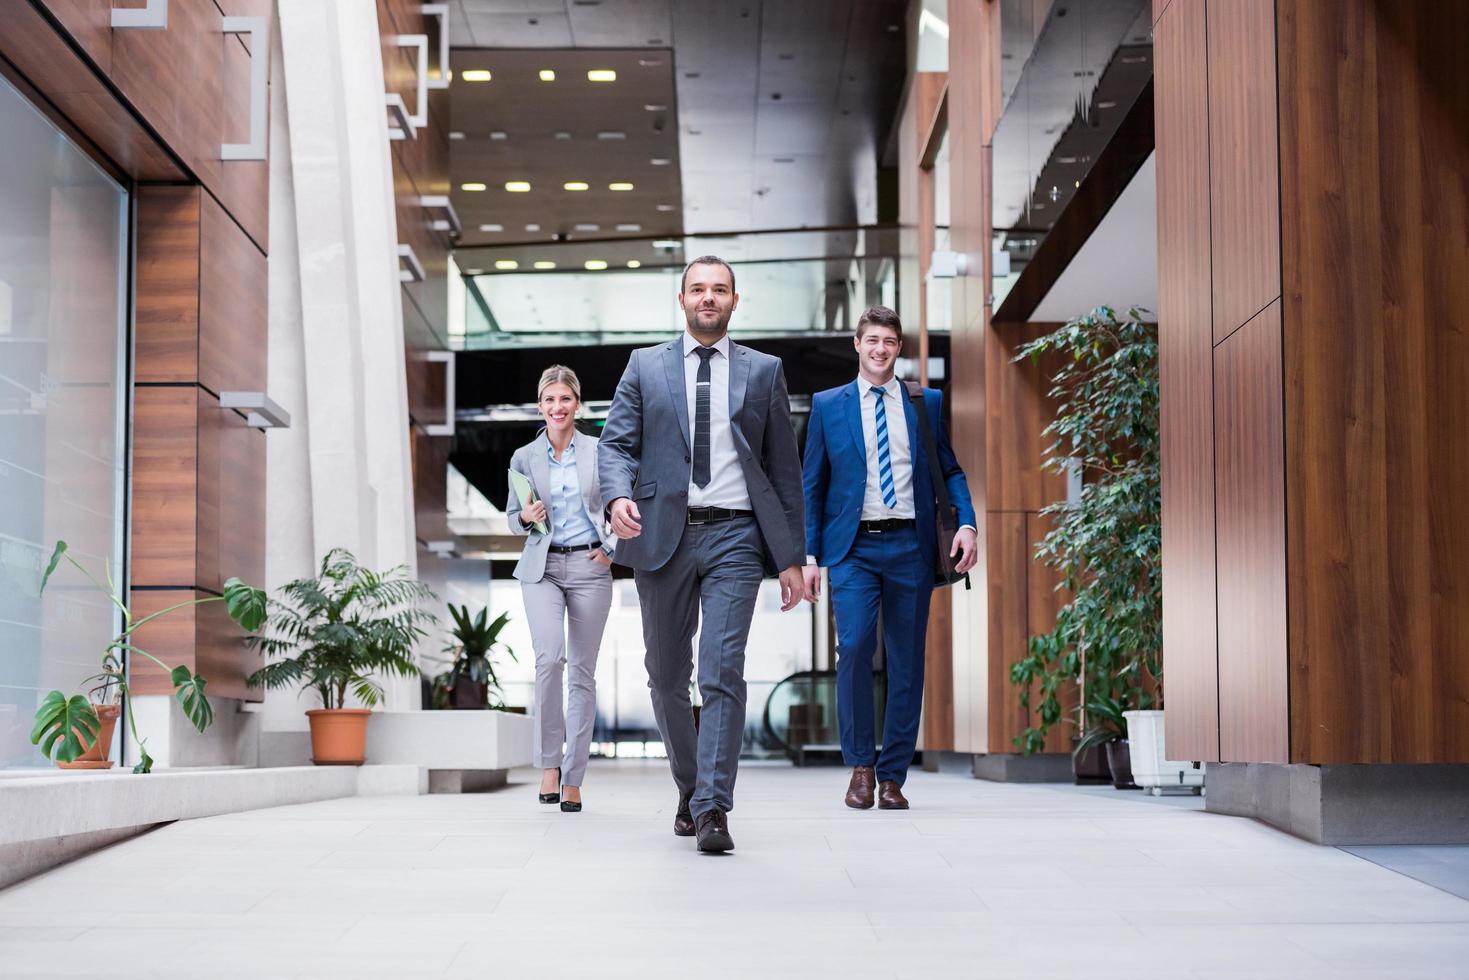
{"x":600,"y":557}
{"x":534,"y":514}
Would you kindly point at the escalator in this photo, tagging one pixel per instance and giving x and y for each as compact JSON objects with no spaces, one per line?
{"x":800,"y":716}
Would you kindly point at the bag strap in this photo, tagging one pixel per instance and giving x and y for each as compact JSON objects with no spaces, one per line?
{"x":935,"y":473}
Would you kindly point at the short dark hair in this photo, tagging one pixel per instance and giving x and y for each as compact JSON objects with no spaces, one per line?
{"x":706,"y":260}
{"x":879,"y":316}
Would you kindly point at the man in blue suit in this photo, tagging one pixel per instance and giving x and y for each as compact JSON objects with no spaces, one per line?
{"x":870,"y":519}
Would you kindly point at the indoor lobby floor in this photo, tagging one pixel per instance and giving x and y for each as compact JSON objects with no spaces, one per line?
{"x":978,"y":879}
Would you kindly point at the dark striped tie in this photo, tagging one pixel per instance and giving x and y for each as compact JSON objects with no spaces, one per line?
{"x":702,"y":384}
{"x":884,"y":459}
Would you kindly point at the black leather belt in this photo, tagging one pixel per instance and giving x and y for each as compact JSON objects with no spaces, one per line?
{"x":568,"y":549}
{"x":713,"y":515}
{"x":891,"y":524}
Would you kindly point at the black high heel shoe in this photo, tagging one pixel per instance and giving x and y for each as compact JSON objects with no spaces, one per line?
{"x":556,"y":796}
{"x":571,"y":806}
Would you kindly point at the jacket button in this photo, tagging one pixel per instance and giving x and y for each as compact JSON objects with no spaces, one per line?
{"x":683,"y":493}
{"x":688,"y":459}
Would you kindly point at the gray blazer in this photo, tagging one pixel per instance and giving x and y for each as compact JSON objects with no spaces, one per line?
{"x":530,"y":459}
{"x":645,"y":452}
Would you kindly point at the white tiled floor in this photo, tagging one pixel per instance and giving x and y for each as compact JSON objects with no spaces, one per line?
{"x":978,"y":879}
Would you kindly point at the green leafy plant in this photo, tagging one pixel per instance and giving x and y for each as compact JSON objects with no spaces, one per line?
{"x":1107,"y":544}
{"x":475,"y":641}
{"x":67,"y":727}
{"x":333,"y":632}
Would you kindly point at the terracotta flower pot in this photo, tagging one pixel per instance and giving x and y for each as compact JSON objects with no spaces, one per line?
{"x":339,"y":736}
{"x":97,"y":756}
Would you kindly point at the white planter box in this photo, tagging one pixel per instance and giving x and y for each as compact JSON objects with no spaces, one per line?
{"x":450,"y":740}
{"x":1151,"y":768}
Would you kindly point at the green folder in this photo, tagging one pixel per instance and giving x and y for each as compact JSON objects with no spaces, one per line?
{"x":526,"y":494}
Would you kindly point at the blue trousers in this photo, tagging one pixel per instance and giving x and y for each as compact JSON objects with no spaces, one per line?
{"x":882,"y":572}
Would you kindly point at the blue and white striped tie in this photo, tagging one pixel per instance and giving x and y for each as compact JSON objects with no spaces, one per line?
{"x":884,"y":461}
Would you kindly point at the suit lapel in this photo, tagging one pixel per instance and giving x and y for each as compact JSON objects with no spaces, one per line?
{"x":853,"y":403}
{"x":739,"y":379}
{"x":540,"y":469}
{"x":673,"y":369}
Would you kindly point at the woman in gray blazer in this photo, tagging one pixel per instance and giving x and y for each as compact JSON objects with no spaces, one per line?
{"x":565,"y":577}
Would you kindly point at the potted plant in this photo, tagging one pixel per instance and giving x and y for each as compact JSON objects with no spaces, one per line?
{"x":470,"y":681}
{"x":1105,"y":543}
{"x":332,"y":633}
{"x":1107,"y":733}
{"x":77,"y":731}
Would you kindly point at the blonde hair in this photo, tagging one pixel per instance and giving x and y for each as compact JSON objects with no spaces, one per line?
{"x":558,"y":374}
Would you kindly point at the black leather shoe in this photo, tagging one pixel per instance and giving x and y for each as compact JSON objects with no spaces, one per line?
{"x":571,"y":806}
{"x":713,"y":829}
{"x":556,"y":796}
{"x":683,"y":820}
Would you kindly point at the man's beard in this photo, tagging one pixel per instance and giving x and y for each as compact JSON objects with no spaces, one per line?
{"x":714,"y":328}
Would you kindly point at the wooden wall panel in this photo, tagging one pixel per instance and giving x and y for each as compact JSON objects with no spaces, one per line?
{"x":233,"y":327}
{"x":242,"y":186}
{"x":1018,"y":409}
{"x":1375,"y":201}
{"x":1244,"y":163}
{"x":1186,"y":382}
{"x":201,"y":638}
{"x":166,"y":319}
{"x":89,"y":22}
{"x":1249,"y":440}
{"x":165,"y":481}
{"x":937,"y":732}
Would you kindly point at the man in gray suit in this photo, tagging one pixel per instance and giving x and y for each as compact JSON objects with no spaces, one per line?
{"x":700,"y":469}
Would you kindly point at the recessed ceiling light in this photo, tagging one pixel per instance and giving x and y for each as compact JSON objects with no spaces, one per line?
{"x":472,"y":185}
{"x":619,"y":185}
{"x":634,"y":264}
{"x":595,"y":265}
{"x":655,"y":107}
{"x":507,"y":264}
{"x":611,"y":134}
{"x":665,"y":207}
{"x":660,"y":161}
{"x":497,"y":135}
{"x":491,"y":227}
{"x":667,"y":243}
{"x":532,"y":227}
{"x":517,"y":186}
{"x":455,"y":134}
{"x":474,"y":272}
{"x":547,"y":75}
{"x":650,"y":62}
{"x":587,"y":228}
{"x":543,"y":265}
{"x":575,"y":185}
{"x":563,"y":135}
{"x":475,"y":75}
{"x":629,"y":227}
{"x":601,"y":75}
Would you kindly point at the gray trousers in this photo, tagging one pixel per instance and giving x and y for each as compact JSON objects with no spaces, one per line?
{"x":574,"y":591}
{"x":716,"y":570}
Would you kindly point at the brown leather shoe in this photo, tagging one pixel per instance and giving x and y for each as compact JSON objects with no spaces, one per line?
{"x":683,"y":820}
{"x":859,"y":790}
{"x":714,"y":835}
{"x":890,"y":796}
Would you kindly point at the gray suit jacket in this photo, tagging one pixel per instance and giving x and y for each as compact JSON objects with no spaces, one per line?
{"x":530,"y":459}
{"x":645,"y":452}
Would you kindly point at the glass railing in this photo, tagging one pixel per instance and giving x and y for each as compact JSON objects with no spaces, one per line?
{"x":790,"y":283}
{"x":1069,"y":74}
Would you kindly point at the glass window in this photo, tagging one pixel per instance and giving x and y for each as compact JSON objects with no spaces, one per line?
{"x":63,"y":282}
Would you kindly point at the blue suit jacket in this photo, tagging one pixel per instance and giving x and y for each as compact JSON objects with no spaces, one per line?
{"x":836,"y":473}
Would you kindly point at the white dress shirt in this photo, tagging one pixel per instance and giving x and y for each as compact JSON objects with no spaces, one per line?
{"x":726,"y":486}
{"x":899,"y":455}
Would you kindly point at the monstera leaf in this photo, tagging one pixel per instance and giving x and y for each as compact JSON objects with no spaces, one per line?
{"x":247,"y":606}
{"x":72,"y":722}
{"x":189,"y":692}
{"x":51,"y":566}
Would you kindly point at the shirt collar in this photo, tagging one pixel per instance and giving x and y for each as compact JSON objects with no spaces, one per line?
{"x":890,"y":389}
{"x":689,"y":343}
{"x":567,"y":456}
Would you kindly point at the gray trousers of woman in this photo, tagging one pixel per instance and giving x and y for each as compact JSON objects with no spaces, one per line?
{"x":567,"y":612}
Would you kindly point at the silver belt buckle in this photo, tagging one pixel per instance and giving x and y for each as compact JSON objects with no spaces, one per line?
{"x":689,"y":516}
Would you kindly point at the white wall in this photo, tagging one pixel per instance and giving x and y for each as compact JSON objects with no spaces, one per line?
{"x":341,"y":476}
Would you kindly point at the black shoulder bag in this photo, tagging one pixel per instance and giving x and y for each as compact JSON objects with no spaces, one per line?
{"x":946,"y":516}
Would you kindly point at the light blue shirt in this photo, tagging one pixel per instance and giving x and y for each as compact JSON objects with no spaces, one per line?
{"x":570,"y":523}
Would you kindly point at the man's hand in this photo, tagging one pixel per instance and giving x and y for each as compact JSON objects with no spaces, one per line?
{"x":792,"y":588}
{"x":626,"y":521}
{"x":533,"y":514}
{"x":812,"y":575}
{"x":967,"y":543}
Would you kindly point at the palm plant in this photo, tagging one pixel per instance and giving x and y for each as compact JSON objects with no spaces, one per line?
{"x":332,"y":633}
{"x":1107,"y":544}
{"x":67,"y":728}
{"x":475,"y":641}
